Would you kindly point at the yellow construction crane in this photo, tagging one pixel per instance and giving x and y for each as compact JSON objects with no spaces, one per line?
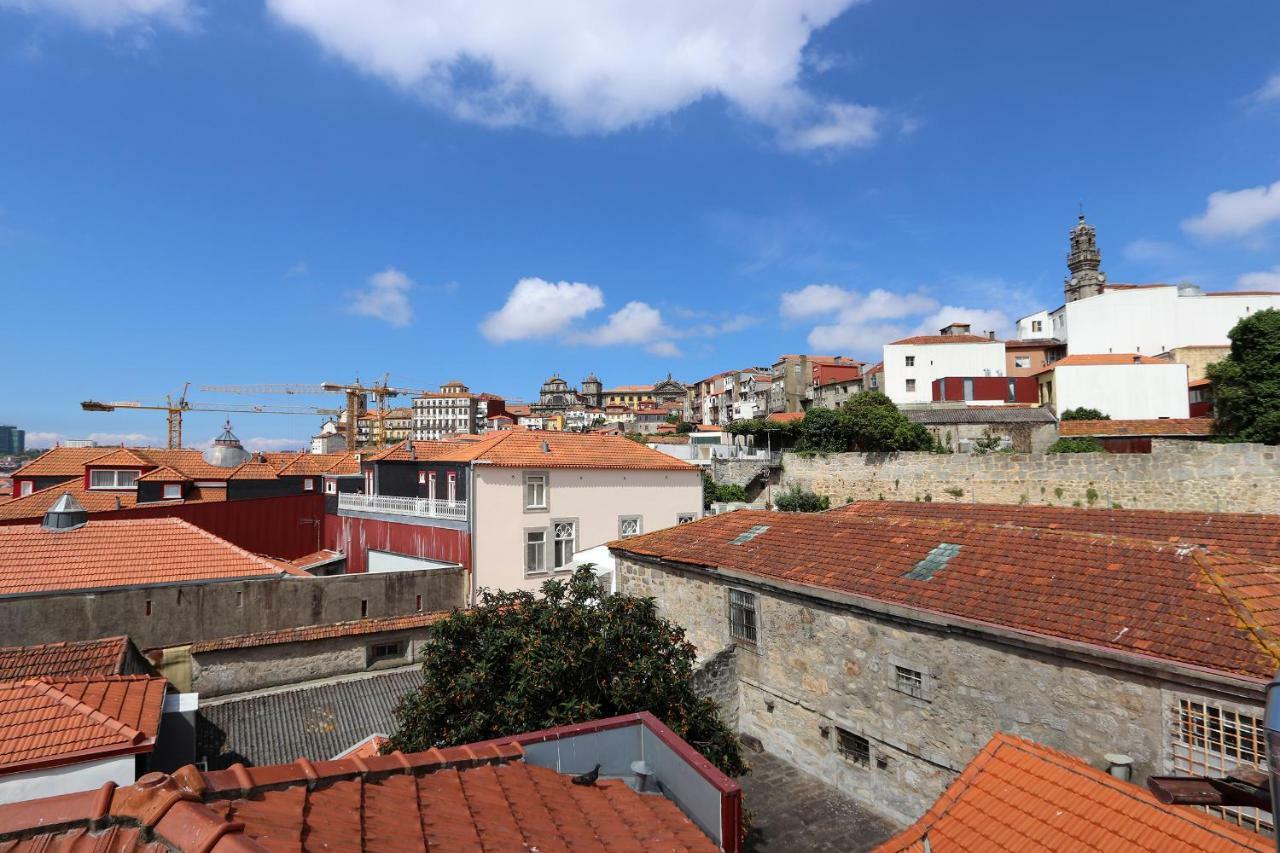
{"x":175,"y":408}
{"x":357,"y":399}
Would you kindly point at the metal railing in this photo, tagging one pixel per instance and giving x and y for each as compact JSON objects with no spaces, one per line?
{"x":422,"y":507}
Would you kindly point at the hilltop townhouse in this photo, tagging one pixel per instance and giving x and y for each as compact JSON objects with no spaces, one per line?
{"x":514,"y":507}
{"x":791,"y":389}
{"x":881,"y":645}
{"x":912,"y":365}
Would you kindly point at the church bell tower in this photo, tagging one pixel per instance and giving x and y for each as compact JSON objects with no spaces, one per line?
{"x":1084,"y":261}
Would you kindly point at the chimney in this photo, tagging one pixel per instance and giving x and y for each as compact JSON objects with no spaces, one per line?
{"x":65,"y":514}
{"x":1137,"y":359}
{"x":991,"y":336}
{"x":546,"y":447}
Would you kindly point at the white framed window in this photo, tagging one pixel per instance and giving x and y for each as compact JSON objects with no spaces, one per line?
{"x":453,"y":487}
{"x":686,"y":517}
{"x":330,"y":487}
{"x":1037,"y":325}
{"x":108,"y":478}
{"x":368,"y":482}
{"x":172,"y":491}
{"x":422,"y":478}
{"x":535,"y":491}
{"x":431,"y":486}
{"x":535,"y":552}
{"x":629,"y":525}
{"x":308,"y":484}
{"x":742,"y":616}
{"x":26,"y":488}
{"x":566,"y":540}
{"x":1022,"y":361}
{"x":911,"y":385}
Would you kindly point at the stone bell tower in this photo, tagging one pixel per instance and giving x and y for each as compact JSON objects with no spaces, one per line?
{"x":1084,"y":261}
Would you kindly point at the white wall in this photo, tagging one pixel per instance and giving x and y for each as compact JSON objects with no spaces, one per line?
{"x":1027,"y":331}
{"x":1156,"y":319}
{"x":67,"y":779}
{"x":1124,"y":391}
{"x":595,"y":497}
{"x":934,"y":361}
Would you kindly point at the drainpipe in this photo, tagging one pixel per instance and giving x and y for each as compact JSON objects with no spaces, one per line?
{"x":471,"y":531}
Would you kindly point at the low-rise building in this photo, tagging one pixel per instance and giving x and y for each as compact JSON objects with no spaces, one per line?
{"x":880,"y":648}
{"x":791,"y":385}
{"x":987,"y":390}
{"x":1028,"y":357}
{"x":833,"y":384}
{"x":1124,"y":386}
{"x":963,"y":429}
{"x":1134,"y":436}
{"x":912,"y":364}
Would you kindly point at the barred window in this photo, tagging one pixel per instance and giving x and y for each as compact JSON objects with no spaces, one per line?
{"x":909,"y":681}
{"x":1210,"y":741}
{"x":742,"y":616}
{"x":855,"y":748}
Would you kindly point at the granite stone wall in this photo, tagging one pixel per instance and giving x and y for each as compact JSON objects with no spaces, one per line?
{"x":820,"y":669}
{"x":717,"y":679}
{"x":1176,"y":475}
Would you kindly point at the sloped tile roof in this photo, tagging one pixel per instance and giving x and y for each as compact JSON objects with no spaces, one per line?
{"x":1249,"y":534}
{"x":479,"y":797}
{"x":38,"y":502}
{"x":61,"y":462}
{"x":317,"y":558}
{"x":313,"y":464}
{"x":164,"y":474}
{"x":524,"y":449}
{"x":1020,"y":795}
{"x":1154,"y":426}
{"x":122,"y":552}
{"x":784,"y":417}
{"x":352,"y":628}
{"x":919,"y":340}
{"x":981,"y":415}
{"x":1132,"y":596}
{"x":72,"y":461}
{"x":56,"y":721}
{"x":54,"y":660}
{"x":121,"y":457}
{"x":254,"y":470}
{"x":1107,"y":358}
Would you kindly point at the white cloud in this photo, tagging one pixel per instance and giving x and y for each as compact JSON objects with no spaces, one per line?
{"x":537,"y":308}
{"x":105,"y":439}
{"x":386,"y":298}
{"x":592,"y":67}
{"x":635,"y":323}
{"x":1267,"y":93}
{"x":666,"y":349}
{"x":1262,"y":280}
{"x":43,"y":439}
{"x":862,"y":323}
{"x":111,"y":15}
{"x":271,"y":445}
{"x":1238,"y":213}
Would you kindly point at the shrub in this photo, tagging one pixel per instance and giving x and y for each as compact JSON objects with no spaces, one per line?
{"x":1081,"y":413}
{"x":731,"y":492}
{"x":796,"y":499}
{"x":1079,"y":444}
{"x":955,"y":492}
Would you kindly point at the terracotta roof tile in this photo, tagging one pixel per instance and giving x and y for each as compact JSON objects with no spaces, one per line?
{"x":1019,"y":795}
{"x":61,"y":462}
{"x":524,"y":449}
{"x":1096,"y":590}
{"x":316,"y":558}
{"x":38,"y":502}
{"x":164,"y":474}
{"x":312,"y":464}
{"x":122,"y":552}
{"x":785,"y":417}
{"x":54,"y":660}
{"x":1107,"y":358}
{"x":919,"y":340}
{"x":478,"y":797}
{"x":57,"y":721}
{"x":254,"y":470}
{"x":1154,"y":426}
{"x":121,"y":457}
{"x":353,"y":628}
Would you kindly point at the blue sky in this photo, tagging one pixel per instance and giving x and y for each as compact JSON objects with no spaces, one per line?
{"x":290,"y":191}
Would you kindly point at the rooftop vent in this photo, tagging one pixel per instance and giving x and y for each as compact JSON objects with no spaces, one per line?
{"x":749,"y":534}
{"x":65,"y":514}
{"x":933,"y":562}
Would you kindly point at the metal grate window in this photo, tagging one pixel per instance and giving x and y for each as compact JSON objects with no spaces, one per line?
{"x":1211,"y":740}
{"x":742,"y":616}
{"x":910,"y":681}
{"x":856,"y":748}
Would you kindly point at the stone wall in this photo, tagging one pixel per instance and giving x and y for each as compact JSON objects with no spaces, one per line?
{"x":1176,"y":475}
{"x":186,"y":613}
{"x":739,"y":472}
{"x":717,"y":679}
{"x":820,"y":668}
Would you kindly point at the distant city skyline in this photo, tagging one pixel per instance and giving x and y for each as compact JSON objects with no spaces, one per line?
{"x":280,"y":193}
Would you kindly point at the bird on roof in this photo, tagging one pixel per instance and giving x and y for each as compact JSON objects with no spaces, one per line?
{"x":588,"y":778}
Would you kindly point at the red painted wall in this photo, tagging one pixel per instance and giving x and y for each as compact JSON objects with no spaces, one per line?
{"x":355,"y":536}
{"x":988,"y":388}
{"x":1202,"y":410}
{"x":284,"y":527}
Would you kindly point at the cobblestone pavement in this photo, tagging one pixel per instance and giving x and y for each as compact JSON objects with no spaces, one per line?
{"x":795,"y":812}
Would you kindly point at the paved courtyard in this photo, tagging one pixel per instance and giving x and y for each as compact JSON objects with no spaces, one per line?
{"x":796,"y":812}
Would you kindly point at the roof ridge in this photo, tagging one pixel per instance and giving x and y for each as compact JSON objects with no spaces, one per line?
{"x":126,"y":732}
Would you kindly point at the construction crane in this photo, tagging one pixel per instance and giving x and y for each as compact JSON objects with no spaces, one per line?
{"x":357,"y":398}
{"x":175,"y":408}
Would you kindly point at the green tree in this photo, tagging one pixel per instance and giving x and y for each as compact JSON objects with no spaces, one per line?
{"x":1081,"y":413}
{"x":876,"y":426}
{"x":1079,"y":444}
{"x":684,"y":427}
{"x":708,"y":490}
{"x":731,"y":492}
{"x":520,"y":662}
{"x":796,"y":499}
{"x":823,"y":431}
{"x":1246,"y":384}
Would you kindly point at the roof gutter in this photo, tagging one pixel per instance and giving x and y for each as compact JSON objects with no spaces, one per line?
{"x":1241,"y":686}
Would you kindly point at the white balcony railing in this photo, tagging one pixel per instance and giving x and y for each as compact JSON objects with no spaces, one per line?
{"x":421,"y":507}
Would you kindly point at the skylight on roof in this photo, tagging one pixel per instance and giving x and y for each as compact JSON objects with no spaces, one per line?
{"x":935,"y":561}
{"x":749,"y":534}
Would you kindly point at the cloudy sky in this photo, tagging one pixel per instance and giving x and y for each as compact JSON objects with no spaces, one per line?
{"x":311,"y":190}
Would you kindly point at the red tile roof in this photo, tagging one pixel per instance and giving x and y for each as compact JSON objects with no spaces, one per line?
{"x":1130,"y":596}
{"x":1107,"y":358}
{"x":919,"y":340}
{"x":317,"y":558}
{"x":55,"y":660}
{"x":72,"y":462}
{"x":308,"y":633}
{"x":164,"y":474}
{"x":61,"y":462}
{"x":34,"y":505}
{"x":49,"y":722}
{"x":1020,"y":795}
{"x":524,"y":449}
{"x":1253,"y":535}
{"x":1200,"y":383}
{"x":1154,"y":426}
{"x":311,"y":464}
{"x":784,"y":417}
{"x":122,"y":552}
{"x":480,"y":797}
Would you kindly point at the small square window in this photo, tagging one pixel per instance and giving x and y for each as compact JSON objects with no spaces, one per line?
{"x":628,"y":525}
{"x":26,"y":488}
{"x":172,"y":491}
{"x":855,"y":748}
{"x":742,"y":616}
{"x":911,"y":361}
{"x":308,"y":484}
{"x":911,"y":385}
{"x":1022,"y":361}
{"x":909,"y":681}
{"x":1037,"y":325}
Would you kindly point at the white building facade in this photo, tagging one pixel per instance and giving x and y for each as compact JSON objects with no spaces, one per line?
{"x":1123,"y":387}
{"x":912,"y":364}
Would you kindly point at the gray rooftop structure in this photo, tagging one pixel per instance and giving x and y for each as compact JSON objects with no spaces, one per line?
{"x":979,"y":415}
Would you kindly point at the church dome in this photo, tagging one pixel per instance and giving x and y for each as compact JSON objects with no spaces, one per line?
{"x":227,"y":451}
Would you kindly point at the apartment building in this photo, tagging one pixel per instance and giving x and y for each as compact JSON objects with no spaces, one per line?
{"x":791,"y":388}
{"x":912,"y":364}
